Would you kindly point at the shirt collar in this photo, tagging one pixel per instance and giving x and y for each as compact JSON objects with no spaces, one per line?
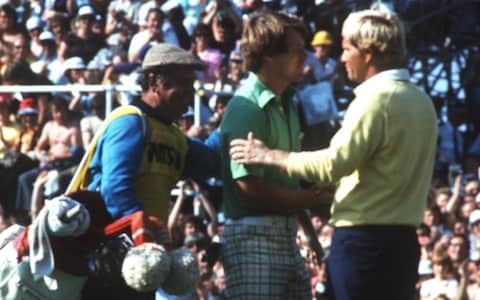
{"x":147,"y":109}
{"x":393,"y":74}
{"x":263,"y":94}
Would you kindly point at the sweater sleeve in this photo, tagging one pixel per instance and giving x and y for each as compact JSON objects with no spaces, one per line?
{"x":202,"y":162}
{"x":363,"y":131}
{"x":121,"y":146}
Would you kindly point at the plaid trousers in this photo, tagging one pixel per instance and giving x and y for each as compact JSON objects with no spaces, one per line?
{"x":264,"y":262}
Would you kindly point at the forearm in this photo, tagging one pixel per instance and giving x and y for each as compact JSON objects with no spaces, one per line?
{"x":62,"y":51}
{"x":277,"y":159}
{"x":207,"y":205}
{"x":462,"y":290}
{"x":74,"y":103}
{"x":312,"y":166}
{"x":71,"y":7}
{"x":111,"y":25}
{"x":306,"y":165}
{"x":212,"y":214}
{"x":42,"y":110}
{"x":208,"y":17}
{"x":453,"y":202}
{"x":454,"y":199}
{"x":173,"y":216}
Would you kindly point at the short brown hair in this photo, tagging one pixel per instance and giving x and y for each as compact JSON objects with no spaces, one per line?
{"x":265,"y":34}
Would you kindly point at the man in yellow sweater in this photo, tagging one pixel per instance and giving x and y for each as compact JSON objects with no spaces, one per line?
{"x":381,"y":159}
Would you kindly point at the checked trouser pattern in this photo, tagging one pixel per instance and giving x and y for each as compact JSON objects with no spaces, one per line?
{"x":263,"y":262}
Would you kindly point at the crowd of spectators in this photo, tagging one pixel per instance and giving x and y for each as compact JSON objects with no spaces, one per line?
{"x":75,"y":42}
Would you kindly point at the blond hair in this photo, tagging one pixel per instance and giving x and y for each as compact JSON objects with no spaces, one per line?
{"x":382,"y":33}
{"x":264,"y":35}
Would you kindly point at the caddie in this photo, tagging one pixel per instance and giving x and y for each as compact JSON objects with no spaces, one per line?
{"x":139,"y":157}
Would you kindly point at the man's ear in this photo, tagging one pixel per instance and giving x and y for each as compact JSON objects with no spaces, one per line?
{"x":368,"y":56}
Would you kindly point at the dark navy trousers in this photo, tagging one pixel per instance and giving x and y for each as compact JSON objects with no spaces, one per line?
{"x":373,"y":262}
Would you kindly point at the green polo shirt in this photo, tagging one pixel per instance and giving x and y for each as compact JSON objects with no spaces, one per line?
{"x":273,"y":120}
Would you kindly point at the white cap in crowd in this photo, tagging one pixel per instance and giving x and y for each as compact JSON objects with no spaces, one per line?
{"x":474,"y":217}
{"x":46,"y":35}
{"x":169,"y":5}
{"x":73,"y":63}
{"x":34,"y":22}
{"x":85,"y":11}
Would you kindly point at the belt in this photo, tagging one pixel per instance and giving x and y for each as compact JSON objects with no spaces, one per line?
{"x":273,"y":221}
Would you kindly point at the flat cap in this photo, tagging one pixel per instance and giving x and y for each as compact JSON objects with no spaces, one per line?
{"x":166,"y":54}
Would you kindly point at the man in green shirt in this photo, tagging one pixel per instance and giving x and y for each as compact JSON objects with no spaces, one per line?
{"x":260,"y":258}
{"x":382,"y":160}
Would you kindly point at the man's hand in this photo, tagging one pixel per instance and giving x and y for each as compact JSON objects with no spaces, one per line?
{"x":254,"y":152}
{"x":250,"y":151}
